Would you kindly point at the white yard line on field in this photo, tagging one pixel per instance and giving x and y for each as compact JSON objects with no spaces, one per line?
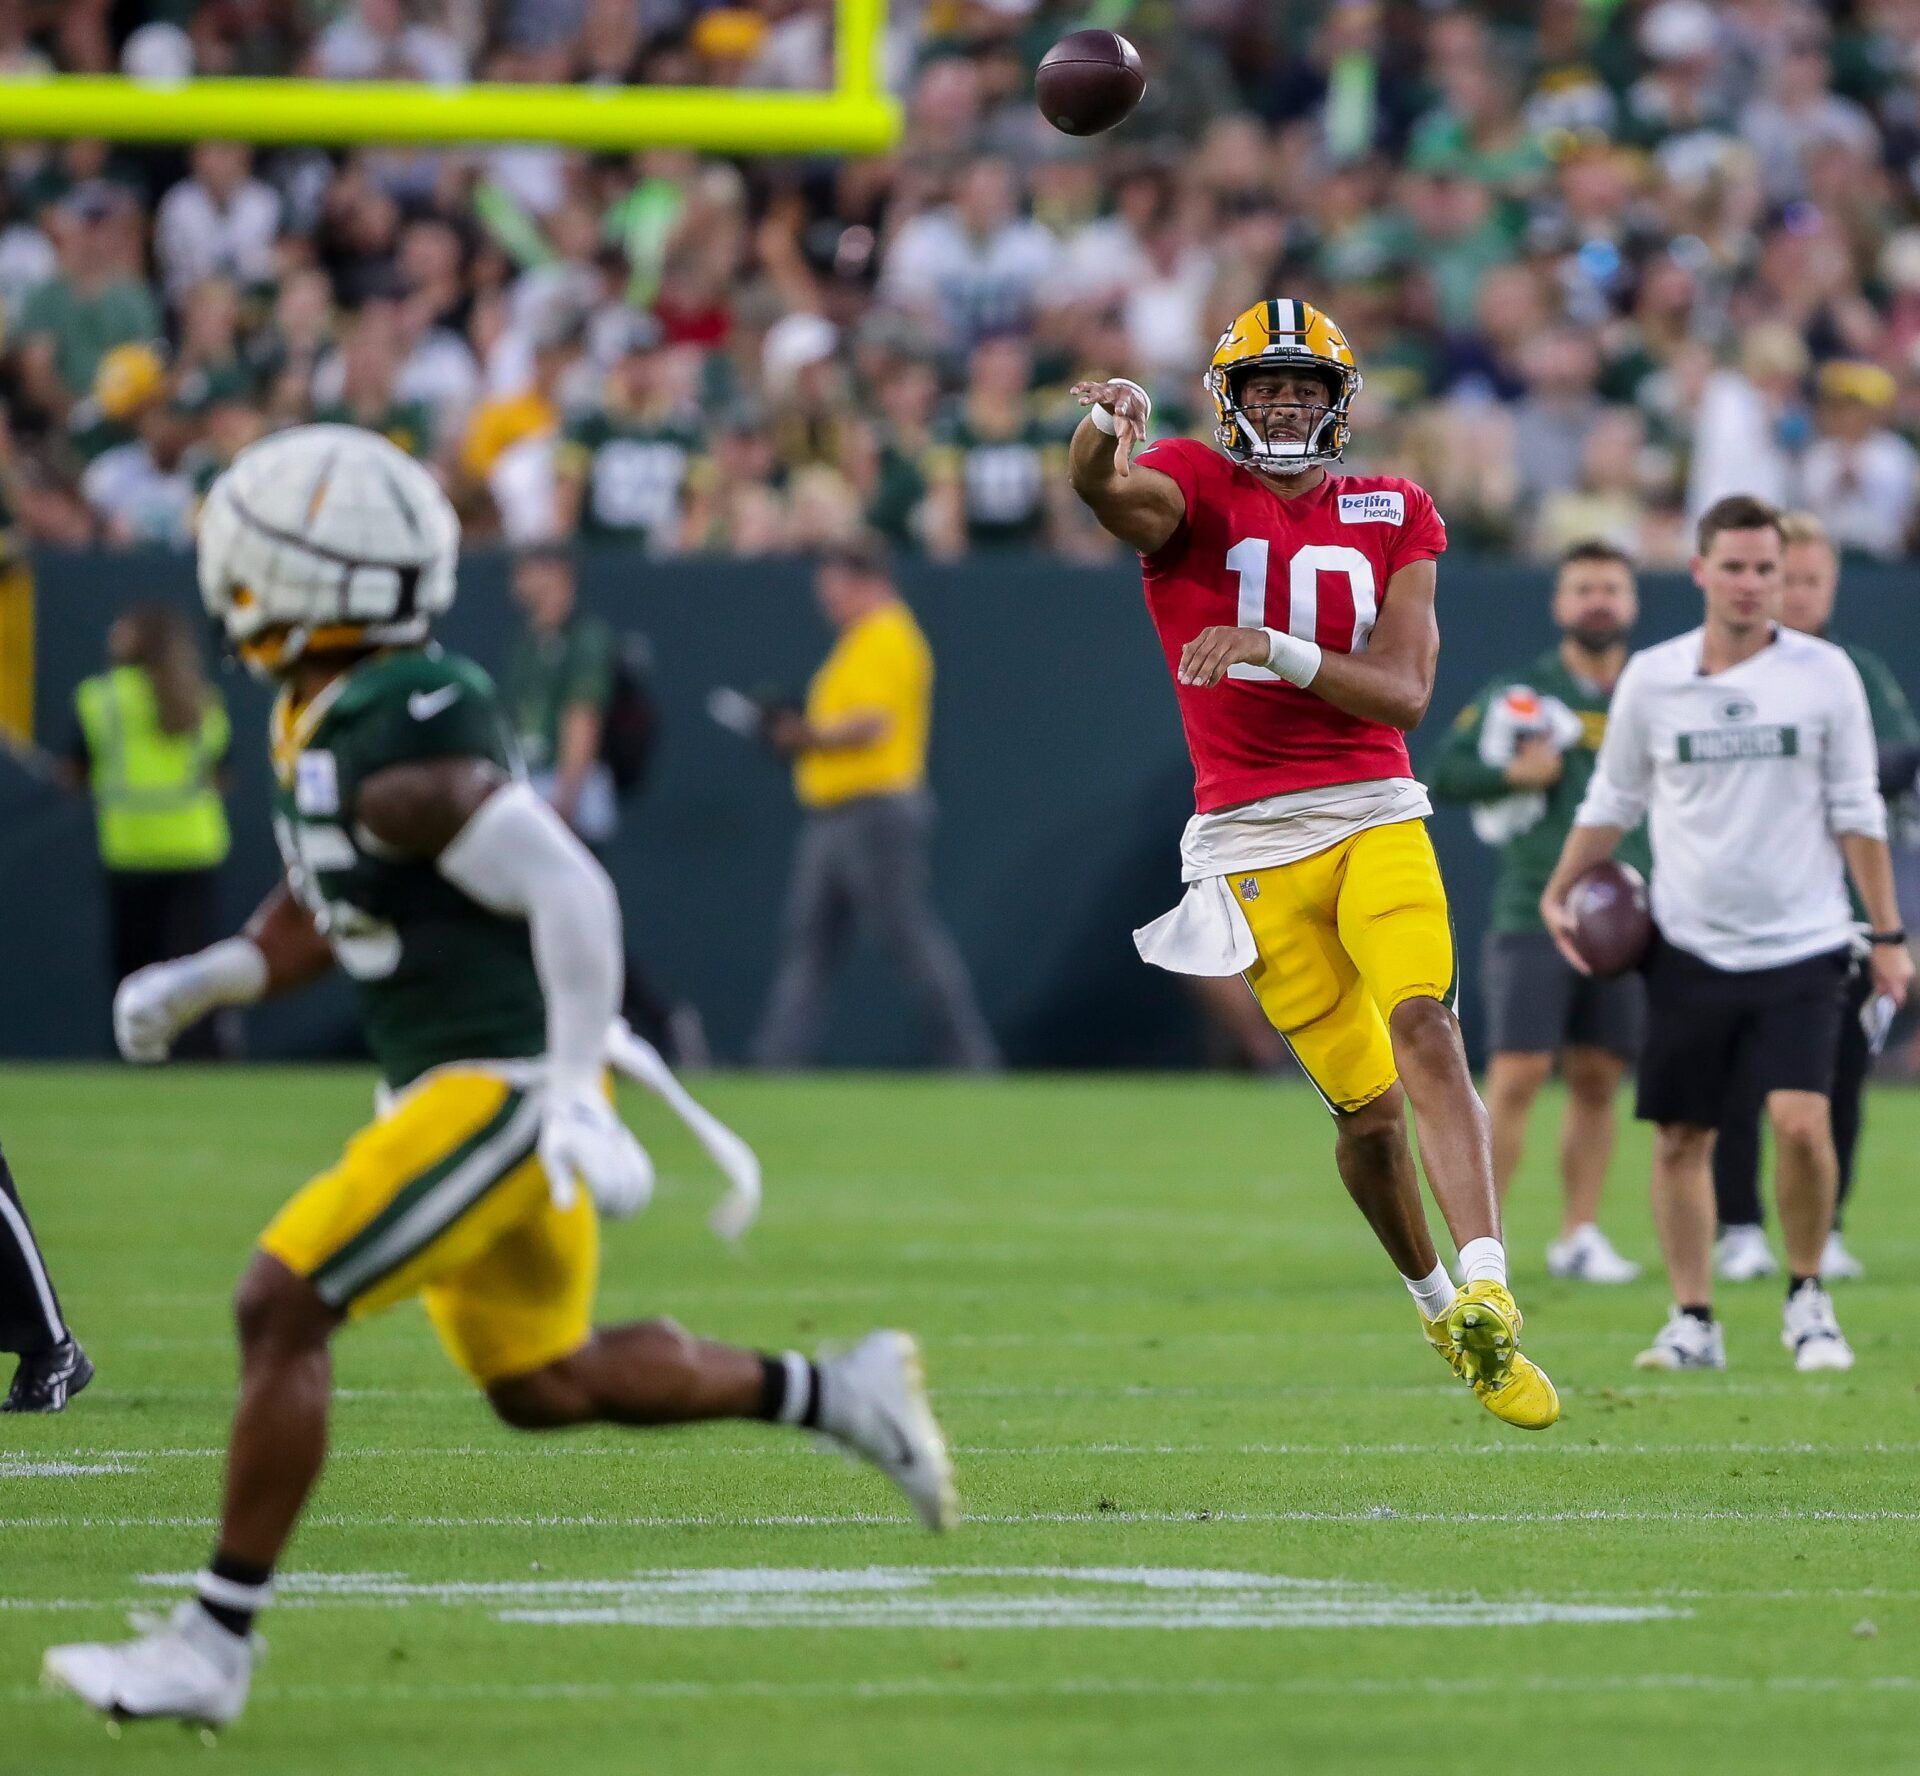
{"x":45,"y":1468}
{"x":650,"y":1449}
{"x":270,"y":1692}
{"x":1382,"y":1514}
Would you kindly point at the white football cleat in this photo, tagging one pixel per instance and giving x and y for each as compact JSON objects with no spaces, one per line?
{"x":183,"y":1667}
{"x":1809,"y":1330}
{"x":873,"y":1399}
{"x":1685,"y":1343}
{"x":1837,"y":1264}
{"x":1741,"y":1255}
{"x":1586,"y":1255}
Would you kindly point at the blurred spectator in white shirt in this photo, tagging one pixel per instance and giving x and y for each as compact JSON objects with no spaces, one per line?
{"x":1859,"y":475}
{"x":373,"y":41}
{"x":1796,"y":109}
{"x":221,"y":221}
{"x":1103,"y":258}
{"x":1166,"y":302}
{"x":1746,"y":420}
{"x":975,"y":266}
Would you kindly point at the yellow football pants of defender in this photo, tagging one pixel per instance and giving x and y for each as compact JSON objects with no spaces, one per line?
{"x":442,"y":1197}
{"x":1345,"y":936}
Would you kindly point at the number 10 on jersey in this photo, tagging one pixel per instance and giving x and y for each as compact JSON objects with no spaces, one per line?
{"x":1248,"y":559}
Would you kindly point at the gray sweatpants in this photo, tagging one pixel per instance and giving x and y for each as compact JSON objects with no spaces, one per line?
{"x":866,"y":861}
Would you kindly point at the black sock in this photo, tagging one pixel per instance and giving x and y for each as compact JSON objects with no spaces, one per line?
{"x":789,"y":1390}
{"x":1796,"y":1283}
{"x":222,"y":1591}
{"x":1703,"y":1314}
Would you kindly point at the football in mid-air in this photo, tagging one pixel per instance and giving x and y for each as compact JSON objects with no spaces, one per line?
{"x":1089,"y":81}
{"x":1612,"y":926}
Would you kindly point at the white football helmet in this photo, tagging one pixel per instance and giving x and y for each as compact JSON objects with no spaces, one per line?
{"x":322,"y":538}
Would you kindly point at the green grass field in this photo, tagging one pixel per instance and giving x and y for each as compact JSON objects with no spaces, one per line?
{"x":1225,"y":1508}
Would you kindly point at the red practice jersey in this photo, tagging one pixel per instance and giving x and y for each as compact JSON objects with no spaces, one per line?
{"x":1317,"y":567}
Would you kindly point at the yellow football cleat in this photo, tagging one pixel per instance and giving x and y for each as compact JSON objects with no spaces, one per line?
{"x":1479,"y":1335}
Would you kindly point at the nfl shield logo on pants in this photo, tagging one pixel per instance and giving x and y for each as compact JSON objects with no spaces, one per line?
{"x":1249,"y":888}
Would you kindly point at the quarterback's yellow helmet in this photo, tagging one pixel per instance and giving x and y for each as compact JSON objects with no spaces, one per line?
{"x":1282,"y":334}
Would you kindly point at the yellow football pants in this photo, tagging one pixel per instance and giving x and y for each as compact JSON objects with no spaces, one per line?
{"x":442,"y":1197}
{"x":1345,"y":936}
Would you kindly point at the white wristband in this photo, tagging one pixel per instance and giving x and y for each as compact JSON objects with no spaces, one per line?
{"x":231,"y":972}
{"x":1102,"y":417}
{"x":1291,"y":658}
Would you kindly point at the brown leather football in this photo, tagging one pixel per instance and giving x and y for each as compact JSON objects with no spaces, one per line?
{"x":1089,"y":81}
{"x":1612,"y":924}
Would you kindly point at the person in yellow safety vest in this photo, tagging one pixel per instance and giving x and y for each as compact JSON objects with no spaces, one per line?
{"x":149,"y":746}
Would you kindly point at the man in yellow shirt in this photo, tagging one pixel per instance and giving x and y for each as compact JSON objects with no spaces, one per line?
{"x":860,"y":769}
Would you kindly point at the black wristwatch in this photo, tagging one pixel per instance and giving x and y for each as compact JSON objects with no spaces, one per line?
{"x":1897,"y":936}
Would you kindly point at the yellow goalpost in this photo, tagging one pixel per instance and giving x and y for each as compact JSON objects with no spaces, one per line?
{"x":855,"y":117}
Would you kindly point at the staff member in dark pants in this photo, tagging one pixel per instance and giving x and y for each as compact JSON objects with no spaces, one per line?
{"x":53,"y":1367}
{"x":151,"y":738}
{"x":860,"y":771}
{"x":1809,"y":578}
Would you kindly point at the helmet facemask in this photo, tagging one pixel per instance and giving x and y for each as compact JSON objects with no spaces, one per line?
{"x":1243,"y":439}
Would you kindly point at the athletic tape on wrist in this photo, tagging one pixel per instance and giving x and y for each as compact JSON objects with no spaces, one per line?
{"x":1103,"y":418}
{"x":1291,"y":658}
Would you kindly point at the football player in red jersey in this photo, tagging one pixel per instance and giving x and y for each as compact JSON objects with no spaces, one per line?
{"x":1296,"y":609}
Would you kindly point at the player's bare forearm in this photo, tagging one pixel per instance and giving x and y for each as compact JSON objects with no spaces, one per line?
{"x":1390,"y":680}
{"x":1140,"y":506}
{"x":1870,"y":864}
{"x":283,"y":931}
{"x":791,"y":733}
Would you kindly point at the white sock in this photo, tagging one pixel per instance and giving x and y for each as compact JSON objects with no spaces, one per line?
{"x":1484,"y":1261}
{"x":1432,"y":1294}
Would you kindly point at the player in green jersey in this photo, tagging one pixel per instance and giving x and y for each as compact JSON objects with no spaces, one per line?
{"x":1521,"y":753}
{"x":483,"y":942}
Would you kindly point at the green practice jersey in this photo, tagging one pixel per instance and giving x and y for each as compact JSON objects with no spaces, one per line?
{"x":439,"y":978}
{"x":1457,"y":773}
{"x":1003,"y":478}
{"x":635,"y":473}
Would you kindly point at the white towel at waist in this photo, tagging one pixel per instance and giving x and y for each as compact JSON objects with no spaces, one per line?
{"x":1206,"y":933}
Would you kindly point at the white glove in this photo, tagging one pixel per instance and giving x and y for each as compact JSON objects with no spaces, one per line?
{"x":154,"y":1004}
{"x":583,"y":1138}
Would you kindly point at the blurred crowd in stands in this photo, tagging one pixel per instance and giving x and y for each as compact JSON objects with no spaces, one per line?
{"x":1602,"y":262}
